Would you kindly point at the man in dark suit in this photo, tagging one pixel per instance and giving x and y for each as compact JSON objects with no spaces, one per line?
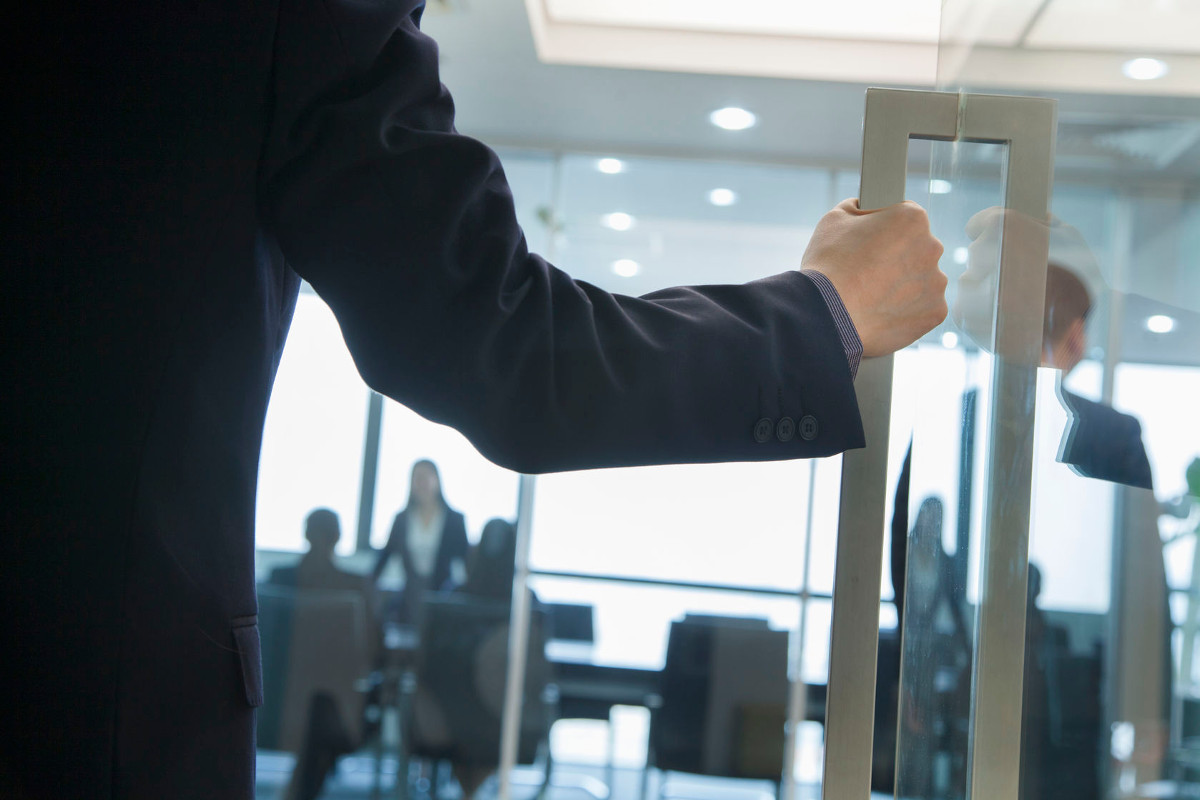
{"x":172,"y":171}
{"x":1100,"y":442}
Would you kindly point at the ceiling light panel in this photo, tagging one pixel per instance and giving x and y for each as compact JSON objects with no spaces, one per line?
{"x":1129,"y":26}
{"x":732,"y":118}
{"x":892,"y":20}
{"x":1145,"y":69}
{"x":626,"y":267}
{"x":722,"y":197}
{"x":987,"y":22}
{"x":610,"y":166}
{"x":1160,"y":323}
{"x":617,"y":221}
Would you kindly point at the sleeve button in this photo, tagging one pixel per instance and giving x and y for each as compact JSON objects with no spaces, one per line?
{"x":809,"y":427}
{"x":763,"y":429}
{"x":785,"y":429}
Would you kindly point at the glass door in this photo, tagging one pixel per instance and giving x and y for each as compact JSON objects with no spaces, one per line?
{"x":1049,"y":431}
{"x":1024,"y":128}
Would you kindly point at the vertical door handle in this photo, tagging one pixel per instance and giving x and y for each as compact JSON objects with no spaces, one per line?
{"x":892,"y":118}
{"x":1027,"y":126}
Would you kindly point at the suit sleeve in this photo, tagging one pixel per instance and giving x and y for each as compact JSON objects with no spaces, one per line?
{"x":407,"y":229}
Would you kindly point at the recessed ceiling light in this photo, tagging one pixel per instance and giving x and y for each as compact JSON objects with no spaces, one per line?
{"x":939,"y":186}
{"x":949,"y":340}
{"x":1145,"y":69}
{"x":732,"y":118}
{"x":722,"y":197}
{"x":610,"y":166}
{"x":618,"y":221}
{"x":1160,"y":323}
{"x":626,"y":267}
{"x":960,"y":255}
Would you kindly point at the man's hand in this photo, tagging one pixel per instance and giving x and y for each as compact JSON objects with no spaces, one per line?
{"x":884,"y":264}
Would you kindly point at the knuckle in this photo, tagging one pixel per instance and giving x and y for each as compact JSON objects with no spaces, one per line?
{"x":939,"y":314}
{"x":913,"y":212}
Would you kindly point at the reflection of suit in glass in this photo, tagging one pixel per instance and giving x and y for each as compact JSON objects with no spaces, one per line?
{"x":1103,"y":443}
{"x":451,"y":547}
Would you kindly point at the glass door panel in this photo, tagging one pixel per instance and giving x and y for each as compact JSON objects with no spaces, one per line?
{"x":1091,"y":553}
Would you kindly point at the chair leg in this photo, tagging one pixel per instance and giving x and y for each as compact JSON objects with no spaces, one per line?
{"x":377,"y":782}
{"x":653,"y":703}
{"x":547,"y":775}
{"x":644,"y":792}
{"x":610,"y":776}
{"x":404,"y":722}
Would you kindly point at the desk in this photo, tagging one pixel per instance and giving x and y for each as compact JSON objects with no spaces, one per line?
{"x":586,"y":689}
{"x":589,"y":691}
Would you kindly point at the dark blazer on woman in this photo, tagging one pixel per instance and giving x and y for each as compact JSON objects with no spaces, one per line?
{"x":452,"y":545}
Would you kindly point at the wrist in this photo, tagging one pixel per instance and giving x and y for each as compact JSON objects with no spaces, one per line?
{"x":847,"y":331}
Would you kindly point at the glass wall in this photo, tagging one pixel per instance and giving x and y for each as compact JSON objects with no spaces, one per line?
{"x":312,"y":452}
{"x":628,"y":567}
{"x":1075,"y":335}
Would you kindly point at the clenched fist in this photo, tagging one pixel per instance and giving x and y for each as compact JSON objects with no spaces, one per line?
{"x":884,"y":264}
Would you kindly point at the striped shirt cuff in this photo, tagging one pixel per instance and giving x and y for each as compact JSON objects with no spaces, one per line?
{"x":846,"y":330}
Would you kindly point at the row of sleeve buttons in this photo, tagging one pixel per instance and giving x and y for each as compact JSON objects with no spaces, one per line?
{"x":786,"y":429}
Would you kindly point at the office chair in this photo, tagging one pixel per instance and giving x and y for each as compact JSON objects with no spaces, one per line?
{"x":312,"y":641}
{"x":453,"y":708}
{"x":571,"y":622}
{"x":1072,"y":719}
{"x":723,"y":706}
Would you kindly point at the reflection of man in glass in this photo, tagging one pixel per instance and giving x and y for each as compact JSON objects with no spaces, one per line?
{"x":1100,"y":442}
{"x":1103,"y":443}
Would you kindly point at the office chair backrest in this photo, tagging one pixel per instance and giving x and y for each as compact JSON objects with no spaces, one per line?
{"x":724,"y":699}
{"x":571,"y":622}
{"x":461,"y":673}
{"x":313,"y":641}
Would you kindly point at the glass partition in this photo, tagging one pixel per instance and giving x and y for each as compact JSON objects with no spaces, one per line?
{"x":625,"y":562}
{"x":691,"y":578}
{"x":1106,"y":694}
{"x":312,"y":451}
{"x":386,"y":561}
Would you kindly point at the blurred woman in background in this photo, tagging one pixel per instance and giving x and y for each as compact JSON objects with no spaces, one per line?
{"x":430,"y":539}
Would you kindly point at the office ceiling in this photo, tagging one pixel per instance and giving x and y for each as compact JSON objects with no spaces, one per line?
{"x":1052,"y":45}
{"x":506,"y":95}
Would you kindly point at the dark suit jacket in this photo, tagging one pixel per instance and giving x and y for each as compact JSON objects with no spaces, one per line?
{"x":170,"y":172}
{"x":453,"y":545}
